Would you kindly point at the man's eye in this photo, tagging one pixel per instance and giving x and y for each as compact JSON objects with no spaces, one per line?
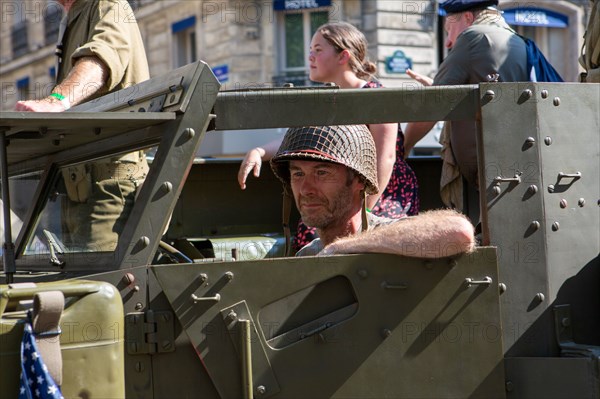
{"x":322,"y":173}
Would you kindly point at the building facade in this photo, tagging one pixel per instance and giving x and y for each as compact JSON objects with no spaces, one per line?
{"x":264,"y":43}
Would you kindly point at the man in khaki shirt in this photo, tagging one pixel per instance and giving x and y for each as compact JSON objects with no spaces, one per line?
{"x":100,"y":50}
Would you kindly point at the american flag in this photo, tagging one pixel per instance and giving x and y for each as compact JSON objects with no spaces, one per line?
{"x":36,"y":382}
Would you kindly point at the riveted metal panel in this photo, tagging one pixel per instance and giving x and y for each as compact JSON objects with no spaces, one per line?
{"x":569,"y":123}
{"x":535,"y":142}
{"x":512,"y":212}
{"x":390,"y":325}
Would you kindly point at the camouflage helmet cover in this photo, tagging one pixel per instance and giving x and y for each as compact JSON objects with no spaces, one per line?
{"x":348,"y":145}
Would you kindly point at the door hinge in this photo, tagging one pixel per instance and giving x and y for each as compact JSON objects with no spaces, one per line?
{"x":150,"y":332}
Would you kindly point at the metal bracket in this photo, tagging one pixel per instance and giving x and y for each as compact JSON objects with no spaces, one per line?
{"x":264,"y":382}
{"x":562,"y":324}
{"x":150,"y":332}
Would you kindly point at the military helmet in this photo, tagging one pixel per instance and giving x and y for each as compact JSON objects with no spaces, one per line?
{"x":348,"y":145}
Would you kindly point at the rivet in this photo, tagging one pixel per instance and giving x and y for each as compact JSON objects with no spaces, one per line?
{"x":535,"y":225}
{"x":527,"y":93}
{"x":189,"y":132}
{"x":385,"y":333}
{"x":203,"y":277}
{"x":563,"y":203}
{"x":509,"y":386}
{"x":139,"y":306}
{"x":496,"y":189}
{"x":229,"y":276}
{"x":540,"y":297}
{"x":502,"y":288}
{"x":581,"y":202}
{"x":544,"y":93}
{"x":532,"y":189}
{"x":556,"y":101}
{"x":530,"y":141}
{"x":548,"y":140}
{"x":490,"y":94}
{"x":555,"y":226}
{"x":167,"y":186}
{"x":56,"y":142}
{"x":144,"y":241}
{"x":261,"y":390}
{"x":128,"y":278}
{"x":566,"y":322}
{"x":551,"y":188}
{"x":362,"y":273}
{"x":136,"y":288}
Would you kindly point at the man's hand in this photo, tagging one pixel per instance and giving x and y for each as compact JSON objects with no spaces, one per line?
{"x":424,"y":80}
{"x":48,"y":104}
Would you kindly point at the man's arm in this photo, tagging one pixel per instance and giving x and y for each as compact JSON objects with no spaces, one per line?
{"x":87,"y":77}
{"x":433,"y":234}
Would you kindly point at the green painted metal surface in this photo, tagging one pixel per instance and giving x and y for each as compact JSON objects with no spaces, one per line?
{"x":361,"y":326}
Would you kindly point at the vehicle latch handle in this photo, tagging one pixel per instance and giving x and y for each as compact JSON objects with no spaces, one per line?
{"x":486,"y":281}
{"x":197,"y":299}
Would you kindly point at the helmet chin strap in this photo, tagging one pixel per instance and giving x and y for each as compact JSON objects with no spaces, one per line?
{"x":287,"y":210}
{"x":365,"y":221}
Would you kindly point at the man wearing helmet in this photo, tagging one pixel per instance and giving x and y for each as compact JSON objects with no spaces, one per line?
{"x":329,"y":170}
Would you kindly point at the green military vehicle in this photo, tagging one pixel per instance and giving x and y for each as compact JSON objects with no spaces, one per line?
{"x":213,"y":309}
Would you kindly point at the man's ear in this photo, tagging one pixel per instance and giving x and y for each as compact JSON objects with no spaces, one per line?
{"x":469,"y":17}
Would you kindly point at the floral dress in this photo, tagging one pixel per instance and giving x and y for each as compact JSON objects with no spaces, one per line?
{"x":400,"y":197}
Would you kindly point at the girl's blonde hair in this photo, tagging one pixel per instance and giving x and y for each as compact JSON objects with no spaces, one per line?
{"x":343,"y":36}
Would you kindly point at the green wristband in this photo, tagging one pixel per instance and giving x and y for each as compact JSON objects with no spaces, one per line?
{"x":58,"y":96}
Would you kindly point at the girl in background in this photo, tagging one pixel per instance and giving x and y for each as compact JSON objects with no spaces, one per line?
{"x":338,"y":54}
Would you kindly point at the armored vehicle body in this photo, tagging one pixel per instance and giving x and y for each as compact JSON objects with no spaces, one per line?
{"x":196,"y":299}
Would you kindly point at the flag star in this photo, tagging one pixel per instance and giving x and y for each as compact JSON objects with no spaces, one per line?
{"x":22,"y":390}
{"x":52,"y":389}
{"x":34,"y":356}
{"x":40,"y":380}
{"x":37,"y":393}
{"x":27,"y":345}
{"x":29,"y":382}
{"x":32,"y":368}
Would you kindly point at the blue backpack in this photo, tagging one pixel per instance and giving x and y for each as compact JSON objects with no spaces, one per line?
{"x":540,"y":69}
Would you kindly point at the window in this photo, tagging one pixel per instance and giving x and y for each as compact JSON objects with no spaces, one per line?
{"x":20,"y":44}
{"x":52,"y":17}
{"x":184,"y":42}
{"x":296,"y":32}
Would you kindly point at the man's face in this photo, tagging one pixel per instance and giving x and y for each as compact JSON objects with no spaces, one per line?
{"x":326,"y":194}
{"x":455,"y":24}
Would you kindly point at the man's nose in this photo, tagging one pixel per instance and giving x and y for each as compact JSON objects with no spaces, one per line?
{"x":308,"y":186}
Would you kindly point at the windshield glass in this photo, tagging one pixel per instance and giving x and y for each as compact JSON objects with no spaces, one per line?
{"x":88,"y":205}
